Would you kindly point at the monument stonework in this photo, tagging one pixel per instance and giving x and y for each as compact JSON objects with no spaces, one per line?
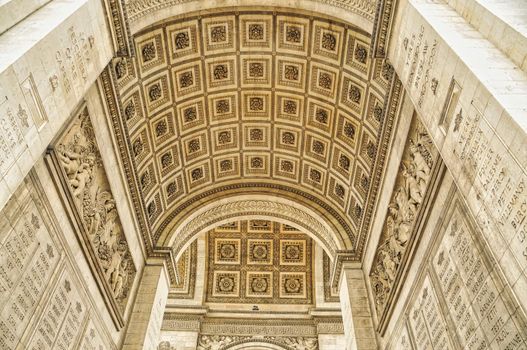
{"x":248,"y":174}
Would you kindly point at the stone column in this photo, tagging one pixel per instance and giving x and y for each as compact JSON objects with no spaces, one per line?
{"x":356,"y":312}
{"x":144,"y":326}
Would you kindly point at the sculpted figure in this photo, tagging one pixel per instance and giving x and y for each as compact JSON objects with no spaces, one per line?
{"x":381,"y":285}
{"x":120,"y":279}
{"x":80,"y":160}
{"x":407,"y":208}
{"x":214,"y":342}
{"x":97,"y":210}
{"x":109,"y":232}
{"x":164,"y":345}
{"x":70,"y":159}
{"x":408,"y":195}
{"x":112,"y":266}
{"x":81,"y":179}
{"x":396,"y":247}
{"x":413,"y":189}
{"x":389,"y":265}
{"x":301,"y":343}
{"x":420,"y":151}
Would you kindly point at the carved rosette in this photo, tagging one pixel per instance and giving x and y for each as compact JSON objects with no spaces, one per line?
{"x":411,"y":188}
{"x":77,"y":166}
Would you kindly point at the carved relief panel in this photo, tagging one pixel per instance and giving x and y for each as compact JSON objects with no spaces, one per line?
{"x":77,"y":168}
{"x":417,"y":169}
{"x":220,"y":342}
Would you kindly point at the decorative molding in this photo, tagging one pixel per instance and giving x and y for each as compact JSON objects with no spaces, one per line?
{"x":186,"y":274}
{"x":329,"y":325}
{"x":224,"y":342}
{"x":263,"y":327}
{"x":382,"y":25}
{"x":329,"y":295}
{"x":239,"y":208}
{"x":76,"y":167}
{"x":137,"y":9}
{"x":120,"y":29}
{"x":181,"y":322}
{"x":288,"y":193}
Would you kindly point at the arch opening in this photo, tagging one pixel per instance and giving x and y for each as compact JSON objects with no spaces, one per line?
{"x":260,"y":207}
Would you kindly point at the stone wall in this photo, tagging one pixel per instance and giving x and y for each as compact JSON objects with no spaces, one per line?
{"x":474,"y":109}
{"x":461,"y":298}
{"x":49,"y":61}
{"x":45,"y":301}
{"x":465,"y":285}
{"x":51,"y":298}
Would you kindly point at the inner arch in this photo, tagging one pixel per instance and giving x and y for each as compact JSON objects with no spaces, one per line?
{"x":260,"y":206}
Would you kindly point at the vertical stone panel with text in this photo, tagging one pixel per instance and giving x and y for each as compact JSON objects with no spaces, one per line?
{"x":77,"y":168}
{"x":461,"y":298}
{"x":43,"y":303}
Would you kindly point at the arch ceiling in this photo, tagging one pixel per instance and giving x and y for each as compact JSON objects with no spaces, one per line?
{"x":253,"y":102}
{"x":259,"y":262}
{"x":255,"y":206}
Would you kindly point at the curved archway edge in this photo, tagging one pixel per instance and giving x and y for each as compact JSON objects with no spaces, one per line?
{"x":261,"y":206}
{"x":143,"y":14}
{"x":256,"y":345}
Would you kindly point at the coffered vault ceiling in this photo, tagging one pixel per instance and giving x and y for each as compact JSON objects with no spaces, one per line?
{"x":254,"y":102}
{"x":259,"y":262}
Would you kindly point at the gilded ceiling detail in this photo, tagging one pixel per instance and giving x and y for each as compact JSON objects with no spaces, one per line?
{"x":251,"y":102}
{"x":259,"y":261}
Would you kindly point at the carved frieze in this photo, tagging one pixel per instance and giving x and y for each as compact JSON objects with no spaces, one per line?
{"x":410,"y":190}
{"x":220,"y":342}
{"x":77,"y":168}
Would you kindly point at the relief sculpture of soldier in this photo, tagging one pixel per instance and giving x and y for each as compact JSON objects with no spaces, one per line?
{"x":411,"y":185}
{"x":81,"y":161}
